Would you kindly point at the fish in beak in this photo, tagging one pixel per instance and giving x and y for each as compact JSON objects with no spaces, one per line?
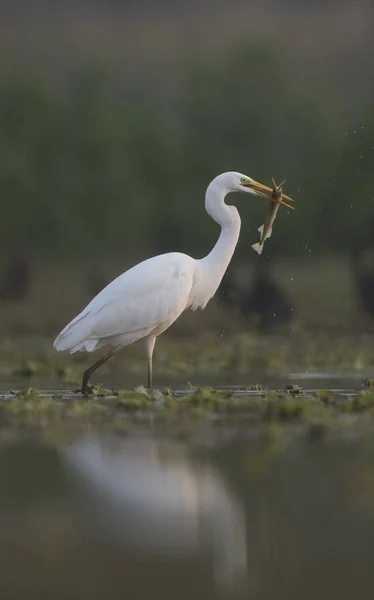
{"x":265,"y":192}
{"x":275,"y":201}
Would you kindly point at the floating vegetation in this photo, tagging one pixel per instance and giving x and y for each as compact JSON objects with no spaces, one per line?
{"x":363,"y":402}
{"x":293,"y":390}
{"x":325,"y":396}
{"x":254,"y":387}
{"x":316,"y":410}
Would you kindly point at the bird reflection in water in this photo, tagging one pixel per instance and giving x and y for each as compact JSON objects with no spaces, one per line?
{"x":163,"y":504}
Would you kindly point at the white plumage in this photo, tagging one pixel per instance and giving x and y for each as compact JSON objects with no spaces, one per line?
{"x":149,"y":297}
{"x":144,"y":299}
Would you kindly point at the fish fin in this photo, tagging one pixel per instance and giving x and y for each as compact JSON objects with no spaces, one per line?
{"x":269,"y":233}
{"x":258,"y":247}
{"x":261,"y":229}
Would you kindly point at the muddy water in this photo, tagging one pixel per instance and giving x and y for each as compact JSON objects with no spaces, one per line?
{"x":228,"y":514}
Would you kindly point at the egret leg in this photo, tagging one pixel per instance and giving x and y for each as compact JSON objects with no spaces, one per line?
{"x":87,"y":374}
{"x":150,"y":346}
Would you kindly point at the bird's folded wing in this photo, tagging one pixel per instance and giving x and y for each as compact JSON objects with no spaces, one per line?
{"x":143,"y":298}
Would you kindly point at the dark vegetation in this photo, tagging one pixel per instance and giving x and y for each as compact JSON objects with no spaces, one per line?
{"x":90,"y":169}
{"x":107,"y":149}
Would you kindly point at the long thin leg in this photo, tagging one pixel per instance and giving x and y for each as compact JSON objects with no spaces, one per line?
{"x":150,"y":346}
{"x":87,"y":374}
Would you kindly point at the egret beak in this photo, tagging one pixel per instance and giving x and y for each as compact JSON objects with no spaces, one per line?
{"x":265,"y":192}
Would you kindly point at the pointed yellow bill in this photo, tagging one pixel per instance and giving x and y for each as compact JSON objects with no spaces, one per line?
{"x":266,"y":192}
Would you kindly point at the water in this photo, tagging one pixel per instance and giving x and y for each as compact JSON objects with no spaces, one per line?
{"x":228,"y":512}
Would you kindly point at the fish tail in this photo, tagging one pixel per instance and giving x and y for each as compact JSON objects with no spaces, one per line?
{"x":258,"y":247}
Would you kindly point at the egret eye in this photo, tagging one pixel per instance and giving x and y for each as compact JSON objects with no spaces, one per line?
{"x":243,"y":180}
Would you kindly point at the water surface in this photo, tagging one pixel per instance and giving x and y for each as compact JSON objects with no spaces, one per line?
{"x":262,"y":512}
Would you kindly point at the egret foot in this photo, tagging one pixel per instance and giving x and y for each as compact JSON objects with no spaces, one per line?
{"x":87,"y":374}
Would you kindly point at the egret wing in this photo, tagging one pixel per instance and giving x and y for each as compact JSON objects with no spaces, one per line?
{"x":150,"y":294}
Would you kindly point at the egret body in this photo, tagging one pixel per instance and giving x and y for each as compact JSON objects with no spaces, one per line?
{"x":145,"y":300}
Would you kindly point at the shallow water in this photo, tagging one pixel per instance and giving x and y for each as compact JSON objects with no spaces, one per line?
{"x":350,"y":381}
{"x":227,"y":513}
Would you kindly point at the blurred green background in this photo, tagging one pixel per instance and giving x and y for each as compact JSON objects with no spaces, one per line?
{"x":115,"y":117}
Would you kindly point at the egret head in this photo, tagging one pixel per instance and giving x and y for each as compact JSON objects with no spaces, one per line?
{"x":237,"y":182}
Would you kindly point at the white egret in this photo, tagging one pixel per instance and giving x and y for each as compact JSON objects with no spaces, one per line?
{"x":148,"y":298}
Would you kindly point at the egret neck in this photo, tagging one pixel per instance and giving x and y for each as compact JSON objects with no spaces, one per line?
{"x":212,"y":267}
